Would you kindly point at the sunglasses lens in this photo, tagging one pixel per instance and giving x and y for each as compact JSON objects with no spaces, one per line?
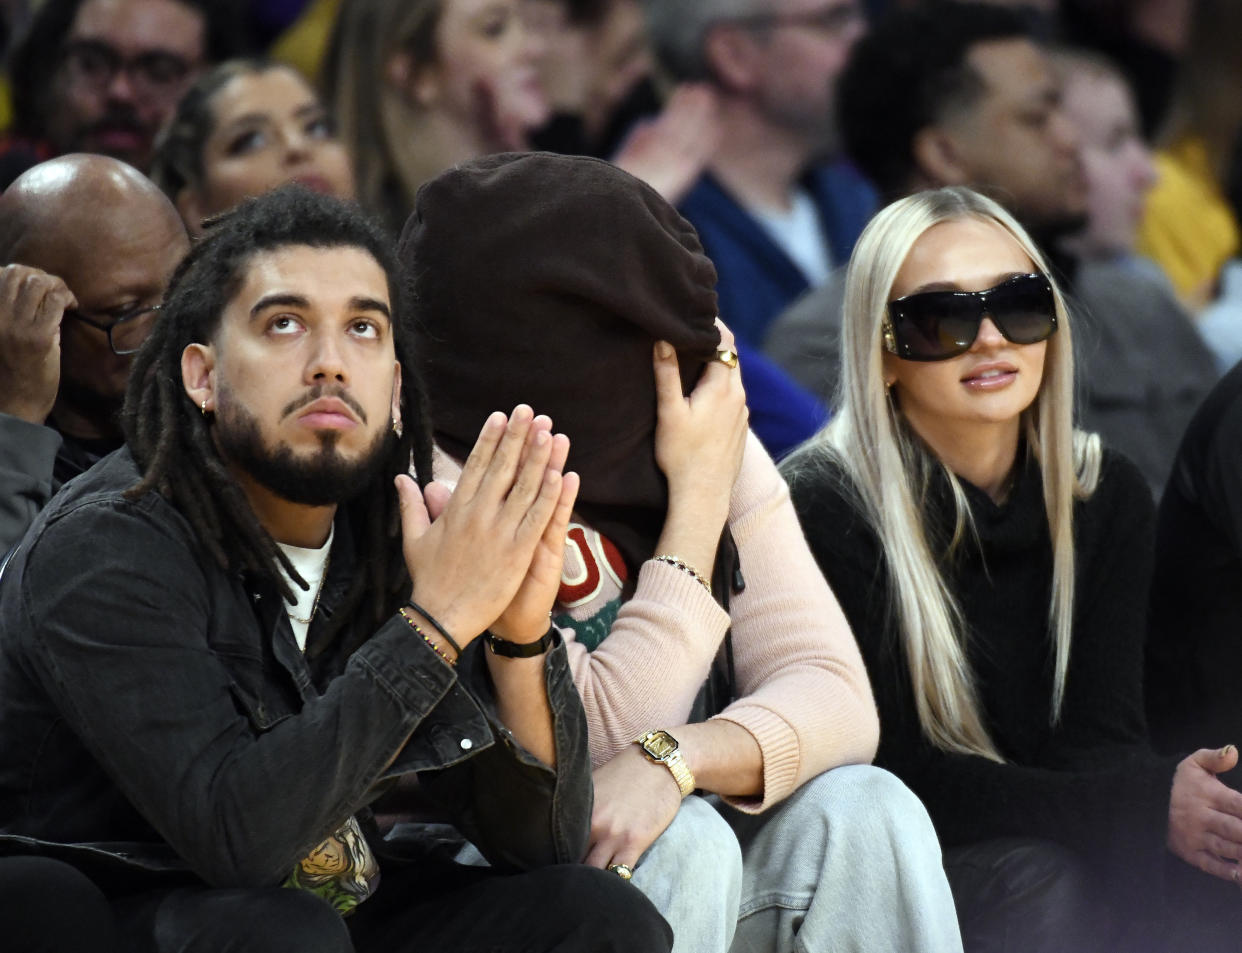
{"x":1023,"y":309}
{"x":935,"y":326}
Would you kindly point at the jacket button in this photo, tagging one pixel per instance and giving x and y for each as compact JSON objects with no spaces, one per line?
{"x":466,"y":744}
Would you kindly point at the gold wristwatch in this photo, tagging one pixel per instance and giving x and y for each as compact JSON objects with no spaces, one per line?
{"x":661,"y":747}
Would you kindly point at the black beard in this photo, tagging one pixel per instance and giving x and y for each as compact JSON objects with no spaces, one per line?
{"x":322,"y":478}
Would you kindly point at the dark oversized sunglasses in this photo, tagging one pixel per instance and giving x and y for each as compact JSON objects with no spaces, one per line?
{"x":938,"y":325}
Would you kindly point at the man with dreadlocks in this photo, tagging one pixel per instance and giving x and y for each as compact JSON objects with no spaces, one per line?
{"x":270,"y":629}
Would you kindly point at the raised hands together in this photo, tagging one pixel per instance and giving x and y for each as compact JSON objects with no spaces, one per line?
{"x":488,"y":554}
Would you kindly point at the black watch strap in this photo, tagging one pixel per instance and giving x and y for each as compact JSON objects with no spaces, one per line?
{"x":507,"y":649}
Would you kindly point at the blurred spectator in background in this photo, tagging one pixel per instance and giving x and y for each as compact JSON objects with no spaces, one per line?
{"x":773,"y":211}
{"x":1190,"y":228}
{"x":1115,"y":158}
{"x":88,"y":245}
{"x":421,"y":85}
{"x":1145,"y":38}
{"x":959,"y":94}
{"x":598,"y":71}
{"x":103,"y":75}
{"x":246,"y":127}
{"x":776,"y":208}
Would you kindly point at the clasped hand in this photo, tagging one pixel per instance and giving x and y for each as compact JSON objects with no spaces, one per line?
{"x":489,"y":553}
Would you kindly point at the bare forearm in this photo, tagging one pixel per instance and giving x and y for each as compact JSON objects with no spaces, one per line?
{"x":692,"y":529}
{"x":522,"y":702}
{"x":723,"y":756}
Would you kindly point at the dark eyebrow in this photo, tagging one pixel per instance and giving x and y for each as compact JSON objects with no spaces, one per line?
{"x":370,"y":304}
{"x":278,"y":301}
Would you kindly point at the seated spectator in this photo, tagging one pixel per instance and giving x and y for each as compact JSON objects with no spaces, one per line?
{"x":993,"y":562}
{"x":774,"y":212}
{"x":1196,"y":602}
{"x":88,"y":245}
{"x":421,"y":85}
{"x":988,"y":113}
{"x":269,"y":633}
{"x":554,"y":278}
{"x":598,"y":70}
{"x":245,"y":127}
{"x":1116,"y":162}
{"x":1190,"y":228}
{"x":103,"y":75}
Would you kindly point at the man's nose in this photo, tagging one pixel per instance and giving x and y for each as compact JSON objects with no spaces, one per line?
{"x":327,"y":360}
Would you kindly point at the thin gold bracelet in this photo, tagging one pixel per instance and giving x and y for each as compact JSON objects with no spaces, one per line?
{"x":452,"y":663}
{"x":684,"y":567}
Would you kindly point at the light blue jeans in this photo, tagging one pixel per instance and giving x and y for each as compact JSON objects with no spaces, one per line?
{"x":848,"y":863}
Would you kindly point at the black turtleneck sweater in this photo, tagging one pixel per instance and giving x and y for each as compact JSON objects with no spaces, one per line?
{"x":1090,"y":782}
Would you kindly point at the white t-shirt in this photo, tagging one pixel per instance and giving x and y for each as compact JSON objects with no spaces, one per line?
{"x":312,"y":565}
{"x":800,"y":235}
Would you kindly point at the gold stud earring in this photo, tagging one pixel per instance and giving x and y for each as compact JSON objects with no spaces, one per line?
{"x":396,"y":428}
{"x":203,"y":406}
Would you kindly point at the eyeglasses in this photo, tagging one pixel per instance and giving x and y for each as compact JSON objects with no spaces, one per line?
{"x":832,"y":19}
{"x":127,"y":331}
{"x":154,"y":74}
{"x":938,"y":325}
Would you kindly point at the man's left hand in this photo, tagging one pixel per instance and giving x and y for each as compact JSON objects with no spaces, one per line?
{"x":635,"y":800}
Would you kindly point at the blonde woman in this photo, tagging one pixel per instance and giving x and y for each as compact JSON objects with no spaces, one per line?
{"x":993,"y":563}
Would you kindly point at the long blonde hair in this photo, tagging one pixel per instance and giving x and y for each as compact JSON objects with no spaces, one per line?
{"x":891,"y":468}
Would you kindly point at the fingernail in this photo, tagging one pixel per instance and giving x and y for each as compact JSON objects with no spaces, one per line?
{"x":1224,"y":752}
{"x":664,"y":350}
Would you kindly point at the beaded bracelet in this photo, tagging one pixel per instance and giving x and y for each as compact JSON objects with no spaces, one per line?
{"x":452,"y":663}
{"x":435,"y":624}
{"x":684,"y":567}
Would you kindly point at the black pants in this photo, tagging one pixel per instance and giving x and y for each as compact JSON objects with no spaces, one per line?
{"x":49,"y":907}
{"x":431,"y":907}
{"x":1017,"y":895}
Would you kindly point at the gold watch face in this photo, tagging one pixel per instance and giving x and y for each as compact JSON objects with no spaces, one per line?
{"x":659,"y":744}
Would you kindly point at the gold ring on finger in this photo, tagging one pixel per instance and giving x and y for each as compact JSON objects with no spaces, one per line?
{"x":726,"y":356}
{"x":625,"y":871}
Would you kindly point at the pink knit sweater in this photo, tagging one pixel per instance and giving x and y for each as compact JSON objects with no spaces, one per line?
{"x":802,"y":688}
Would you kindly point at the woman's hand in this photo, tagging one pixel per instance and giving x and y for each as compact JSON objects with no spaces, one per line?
{"x":1205,"y":815}
{"x":699,"y":442}
{"x":635,"y":800}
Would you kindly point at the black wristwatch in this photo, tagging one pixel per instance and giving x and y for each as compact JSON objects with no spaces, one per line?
{"x":507,"y":649}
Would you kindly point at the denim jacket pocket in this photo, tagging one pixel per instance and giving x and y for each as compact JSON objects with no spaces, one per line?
{"x":253,"y":683}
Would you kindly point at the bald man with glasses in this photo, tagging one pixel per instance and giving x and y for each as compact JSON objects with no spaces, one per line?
{"x":87,"y":246}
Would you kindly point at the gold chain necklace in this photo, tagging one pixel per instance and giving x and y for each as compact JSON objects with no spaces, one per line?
{"x":318,"y":593}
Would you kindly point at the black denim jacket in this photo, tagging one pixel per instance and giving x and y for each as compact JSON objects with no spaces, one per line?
{"x":156,"y":714}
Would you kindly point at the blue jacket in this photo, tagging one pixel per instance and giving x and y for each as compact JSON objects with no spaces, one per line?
{"x":756,"y":281}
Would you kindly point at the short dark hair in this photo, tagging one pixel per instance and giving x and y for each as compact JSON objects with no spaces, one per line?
{"x":171,"y":440}
{"x":37,"y":55}
{"x":908,"y":73}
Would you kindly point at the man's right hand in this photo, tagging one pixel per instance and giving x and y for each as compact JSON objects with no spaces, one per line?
{"x":32,"y":304}
{"x":467,"y":565}
{"x":1205,"y":815}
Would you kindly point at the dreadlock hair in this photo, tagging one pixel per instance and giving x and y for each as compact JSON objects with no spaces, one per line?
{"x":172,"y":442}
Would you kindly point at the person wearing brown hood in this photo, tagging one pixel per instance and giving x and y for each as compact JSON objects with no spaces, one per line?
{"x":708,"y":650}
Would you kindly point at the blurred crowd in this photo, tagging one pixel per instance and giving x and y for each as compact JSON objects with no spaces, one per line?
{"x":1108,"y":131}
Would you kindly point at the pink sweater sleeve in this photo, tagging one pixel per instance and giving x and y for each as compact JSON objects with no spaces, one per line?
{"x":802,"y":687}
